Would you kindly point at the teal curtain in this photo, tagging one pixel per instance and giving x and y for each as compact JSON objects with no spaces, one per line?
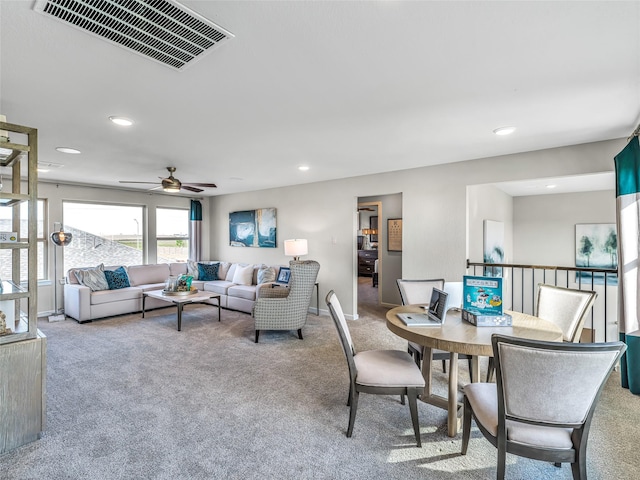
{"x":195,"y":231}
{"x":627,"y":164}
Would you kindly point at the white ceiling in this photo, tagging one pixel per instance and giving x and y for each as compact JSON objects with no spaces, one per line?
{"x":347,"y":88}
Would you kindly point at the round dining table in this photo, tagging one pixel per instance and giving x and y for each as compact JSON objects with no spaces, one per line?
{"x":457,"y":336}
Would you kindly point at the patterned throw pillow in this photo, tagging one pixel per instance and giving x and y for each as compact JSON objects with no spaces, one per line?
{"x":192,"y":269}
{"x":93,"y":278}
{"x":266,"y":274}
{"x":117,"y":278}
{"x":208,"y":272}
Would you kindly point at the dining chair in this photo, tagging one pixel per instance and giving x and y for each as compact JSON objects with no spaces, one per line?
{"x":532,"y":413}
{"x":380,"y":372}
{"x":565,"y":307}
{"x":419,"y":292}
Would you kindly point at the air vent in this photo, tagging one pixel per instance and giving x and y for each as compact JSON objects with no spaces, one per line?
{"x":161,"y":30}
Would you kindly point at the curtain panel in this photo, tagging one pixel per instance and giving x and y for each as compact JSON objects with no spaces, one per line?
{"x":627,"y":164}
{"x":195,"y":231}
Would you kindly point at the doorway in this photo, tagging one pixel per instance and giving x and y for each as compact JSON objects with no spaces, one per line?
{"x":369,"y":265}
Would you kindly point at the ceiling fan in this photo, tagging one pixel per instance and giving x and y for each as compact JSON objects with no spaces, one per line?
{"x":173,"y":185}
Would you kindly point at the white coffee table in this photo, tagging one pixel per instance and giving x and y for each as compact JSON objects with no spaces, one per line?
{"x":181,"y":300}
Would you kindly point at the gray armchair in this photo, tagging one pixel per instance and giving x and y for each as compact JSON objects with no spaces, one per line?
{"x":283,"y":308}
{"x":543,"y":402}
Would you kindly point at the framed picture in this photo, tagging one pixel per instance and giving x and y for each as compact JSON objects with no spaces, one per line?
{"x":394,"y":234}
{"x":253,"y":228}
{"x":493,"y":251}
{"x":284,"y":275}
{"x":597,"y":247}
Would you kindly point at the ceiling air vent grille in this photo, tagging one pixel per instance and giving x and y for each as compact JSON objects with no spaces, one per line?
{"x":162,"y":30}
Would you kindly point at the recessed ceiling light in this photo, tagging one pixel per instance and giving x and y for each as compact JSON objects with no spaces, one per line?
{"x":303,"y":168}
{"x":122,"y":121}
{"x":504,"y":130}
{"x":42,"y":170}
{"x":67,"y":150}
{"x":551,"y":185}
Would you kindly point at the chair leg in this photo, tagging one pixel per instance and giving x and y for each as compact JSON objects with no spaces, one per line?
{"x":579,"y":467}
{"x":257,"y":335}
{"x":300,"y":333}
{"x":352,"y":412}
{"x":466,"y":426}
{"x":491,"y":370}
{"x":412,"y":394}
{"x":471,"y":368}
{"x":444,"y":366}
{"x":350,"y":394}
{"x":402,"y":399}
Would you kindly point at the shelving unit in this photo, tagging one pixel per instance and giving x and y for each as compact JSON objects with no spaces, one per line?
{"x":22,"y":345}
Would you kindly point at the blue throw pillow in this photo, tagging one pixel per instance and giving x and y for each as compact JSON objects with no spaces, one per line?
{"x":208,"y":271}
{"x":117,"y":278}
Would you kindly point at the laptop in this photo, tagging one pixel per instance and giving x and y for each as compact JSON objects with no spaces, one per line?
{"x":436,"y":312}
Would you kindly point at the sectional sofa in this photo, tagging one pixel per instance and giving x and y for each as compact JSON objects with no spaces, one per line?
{"x":237,"y":284}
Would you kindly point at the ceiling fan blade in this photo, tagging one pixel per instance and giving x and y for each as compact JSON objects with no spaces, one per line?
{"x":155,"y":188}
{"x":128,"y":181}
{"x":209,"y":185}
{"x":191,"y":189}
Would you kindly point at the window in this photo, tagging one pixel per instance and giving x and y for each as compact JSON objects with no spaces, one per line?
{"x":172,"y":234}
{"x":6,"y":225}
{"x":103,"y":233}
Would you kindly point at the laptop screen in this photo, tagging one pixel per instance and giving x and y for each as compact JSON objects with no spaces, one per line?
{"x":438,"y":304}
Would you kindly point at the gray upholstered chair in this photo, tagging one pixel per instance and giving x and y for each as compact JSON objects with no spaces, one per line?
{"x":381,"y":372}
{"x":414,"y":292}
{"x":543,"y":402}
{"x":566,"y":307}
{"x":287,"y":308}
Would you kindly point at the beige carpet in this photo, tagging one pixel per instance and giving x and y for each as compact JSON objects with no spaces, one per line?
{"x":133,"y":398}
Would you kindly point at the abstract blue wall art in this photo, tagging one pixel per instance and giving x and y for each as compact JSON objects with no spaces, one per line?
{"x":253,"y":228}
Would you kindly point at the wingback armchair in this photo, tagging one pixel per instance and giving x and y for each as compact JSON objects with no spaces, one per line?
{"x":286,"y":308}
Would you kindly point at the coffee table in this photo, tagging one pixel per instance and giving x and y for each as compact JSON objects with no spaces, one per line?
{"x":457,"y":336}
{"x":181,"y":300}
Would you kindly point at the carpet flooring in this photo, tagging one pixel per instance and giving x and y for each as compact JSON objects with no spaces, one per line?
{"x":133,"y":398}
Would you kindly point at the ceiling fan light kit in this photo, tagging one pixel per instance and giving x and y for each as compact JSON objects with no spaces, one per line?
{"x":173,"y":185}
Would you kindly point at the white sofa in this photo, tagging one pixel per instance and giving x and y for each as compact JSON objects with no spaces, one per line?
{"x":84,"y":305}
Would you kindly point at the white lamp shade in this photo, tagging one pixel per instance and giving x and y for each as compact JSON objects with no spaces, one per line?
{"x":295,"y":247}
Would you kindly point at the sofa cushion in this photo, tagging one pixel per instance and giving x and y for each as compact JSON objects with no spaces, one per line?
{"x":109,"y":296}
{"x":243,"y":275}
{"x":93,"y":278}
{"x":208,"y":272}
{"x":266,"y":274}
{"x":218,"y":286}
{"x":232,"y":270}
{"x":223,"y":270}
{"x":247,"y":292}
{"x":117,"y":278}
{"x":146,"y":274}
{"x":178,"y":268}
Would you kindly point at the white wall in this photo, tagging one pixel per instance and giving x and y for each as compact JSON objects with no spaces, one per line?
{"x":544,"y":225}
{"x":57,"y":193}
{"x":486,"y":202}
{"x":544,"y":234}
{"x":434,"y":213}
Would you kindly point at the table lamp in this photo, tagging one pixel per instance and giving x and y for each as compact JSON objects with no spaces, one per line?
{"x":295,"y":247}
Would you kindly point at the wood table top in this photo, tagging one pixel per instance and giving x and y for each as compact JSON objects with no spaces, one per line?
{"x":457,"y":335}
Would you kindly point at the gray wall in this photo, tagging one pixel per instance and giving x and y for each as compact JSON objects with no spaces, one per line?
{"x":434,"y":211}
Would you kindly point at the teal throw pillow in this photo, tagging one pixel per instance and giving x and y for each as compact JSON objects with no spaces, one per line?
{"x":207,"y":271}
{"x":117,"y":278}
